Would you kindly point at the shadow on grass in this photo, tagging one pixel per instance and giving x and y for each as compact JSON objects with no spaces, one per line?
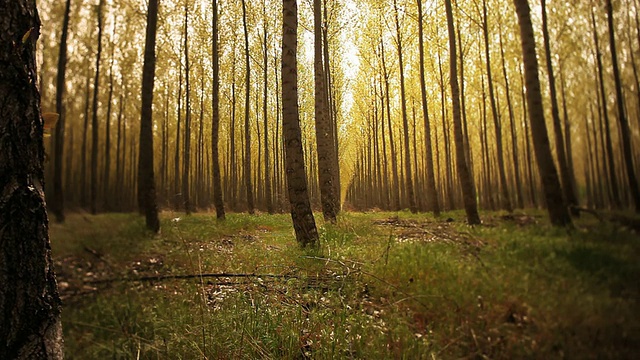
{"x":620,"y":275}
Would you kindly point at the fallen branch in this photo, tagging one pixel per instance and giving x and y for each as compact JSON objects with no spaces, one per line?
{"x":193,"y":276}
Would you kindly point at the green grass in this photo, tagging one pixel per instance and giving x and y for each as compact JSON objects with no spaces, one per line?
{"x":381,"y":285}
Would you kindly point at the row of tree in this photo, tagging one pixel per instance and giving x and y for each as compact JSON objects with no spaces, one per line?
{"x":384,"y":114}
{"x":589,"y":87}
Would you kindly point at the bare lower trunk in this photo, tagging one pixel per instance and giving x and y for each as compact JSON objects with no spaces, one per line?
{"x":30,"y":325}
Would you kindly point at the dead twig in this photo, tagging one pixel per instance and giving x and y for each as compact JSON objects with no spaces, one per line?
{"x":193,"y":276}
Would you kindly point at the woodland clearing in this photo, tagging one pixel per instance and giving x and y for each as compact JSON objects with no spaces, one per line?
{"x":381,"y":285}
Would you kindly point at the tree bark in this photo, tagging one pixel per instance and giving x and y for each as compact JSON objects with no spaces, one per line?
{"x":565,"y":176}
{"x":247,"y":128}
{"x":94,"y":119}
{"x":432,"y":195}
{"x":146,"y":179}
{"x":265,"y":64}
{"x":405,"y":122}
{"x":394,"y":159}
{"x":505,"y":198}
{"x":186,"y":166}
{"x":622,"y":116}
{"x":29,"y":301}
{"x":215,"y":118}
{"x":303,"y":221}
{"x":558,"y":212}
{"x":324,"y":138}
{"x":608,"y":161}
{"x":466,"y":181}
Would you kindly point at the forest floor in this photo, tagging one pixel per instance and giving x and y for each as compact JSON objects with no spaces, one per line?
{"x":381,"y":285}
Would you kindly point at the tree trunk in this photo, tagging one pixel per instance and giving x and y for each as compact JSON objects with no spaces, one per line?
{"x":176,"y":163}
{"x":29,"y":301}
{"x":146,"y":180}
{"x":565,"y":176}
{"x":609,"y":163}
{"x":57,"y":202}
{"x":324,"y":138}
{"x":432,"y":195}
{"x":186,"y":166}
{"x":466,"y":181}
{"x":83,"y":151}
{"x":394,"y":160}
{"x":405,"y":122}
{"x":107,"y":140}
{"x":512,"y":125}
{"x":505,"y":198}
{"x":247,"y":128}
{"x":215,"y":119}
{"x":558,"y":212}
{"x":303,"y":221}
{"x":94,"y":119}
{"x":332,"y":113}
{"x":265,"y":62}
{"x":622,"y":117}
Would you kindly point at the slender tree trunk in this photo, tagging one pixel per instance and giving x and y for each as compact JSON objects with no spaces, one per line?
{"x":83,"y":156}
{"x":29,"y":302}
{"x":567,"y":139}
{"x":448,"y":187}
{"x":107,"y":140}
{"x":247,"y":127}
{"x":176,"y":169}
{"x":527,"y":142}
{"x":94,"y":118}
{"x":466,"y":181}
{"x":514,"y":139}
{"x":405,"y":122}
{"x":119,"y":146}
{"x":394,"y":159}
{"x":385,"y":163}
{"x":57,"y":202}
{"x":303,"y":221}
{"x":432,"y":195}
{"x":504,"y":193}
{"x":324,"y":134}
{"x":146,"y":179}
{"x":232,"y":138}
{"x":622,"y":117}
{"x":565,"y":176}
{"x":558,"y":212}
{"x":186,"y":166}
{"x":265,"y":62}
{"x":609,"y":162}
{"x":332,"y":113}
{"x":215,"y":119}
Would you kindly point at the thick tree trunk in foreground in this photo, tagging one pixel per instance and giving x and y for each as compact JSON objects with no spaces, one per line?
{"x":30,"y":325}
{"x":146,"y":181}
{"x":558,"y":213}
{"x":304,"y":223}
{"x":466,"y":182}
